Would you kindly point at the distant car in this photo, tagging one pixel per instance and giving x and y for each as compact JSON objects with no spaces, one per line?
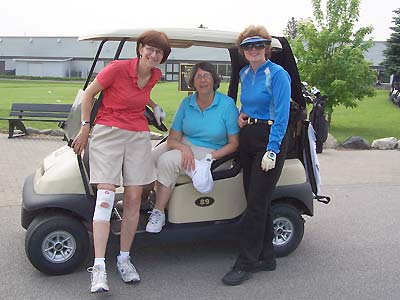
{"x":58,"y":201}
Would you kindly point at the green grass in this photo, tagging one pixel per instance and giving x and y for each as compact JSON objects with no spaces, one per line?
{"x":374,"y":118}
{"x":21,"y":91}
{"x":165,"y":94}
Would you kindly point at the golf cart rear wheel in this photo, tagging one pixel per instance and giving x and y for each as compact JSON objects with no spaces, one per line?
{"x":56,"y":245}
{"x":288,"y":228}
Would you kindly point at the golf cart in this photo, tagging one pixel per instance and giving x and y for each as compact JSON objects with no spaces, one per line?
{"x":58,"y":201}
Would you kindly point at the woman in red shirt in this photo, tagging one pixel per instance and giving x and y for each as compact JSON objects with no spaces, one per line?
{"x":120,"y":142}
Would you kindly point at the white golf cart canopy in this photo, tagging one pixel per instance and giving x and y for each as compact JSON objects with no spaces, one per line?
{"x":179,"y":37}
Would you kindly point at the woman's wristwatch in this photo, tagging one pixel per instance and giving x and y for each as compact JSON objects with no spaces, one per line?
{"x":83,"y":123}
{"x":271,"y":155}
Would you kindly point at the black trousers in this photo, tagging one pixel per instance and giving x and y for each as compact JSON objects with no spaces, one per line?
{"x":257,"y":229}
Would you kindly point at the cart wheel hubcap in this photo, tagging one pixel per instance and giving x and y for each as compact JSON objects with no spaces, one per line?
{"x":58,"y":246}
{"x":283,"y":230}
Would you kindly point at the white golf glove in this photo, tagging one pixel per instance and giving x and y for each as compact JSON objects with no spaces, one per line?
{"x":159,"y":114}
{"x":268,"y":161}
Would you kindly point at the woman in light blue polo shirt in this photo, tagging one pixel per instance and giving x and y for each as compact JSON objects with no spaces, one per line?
{"x":205,"y":125}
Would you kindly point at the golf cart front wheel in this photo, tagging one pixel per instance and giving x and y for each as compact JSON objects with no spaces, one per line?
{"x":288,"y":229}
{"x":56,"y":245}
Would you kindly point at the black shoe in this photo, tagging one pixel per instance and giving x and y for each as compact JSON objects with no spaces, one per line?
{"x":264,"y":265}
{"x":236,"y":277}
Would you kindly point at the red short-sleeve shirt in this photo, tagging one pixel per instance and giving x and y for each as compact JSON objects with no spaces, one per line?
{"x":123,"y":101}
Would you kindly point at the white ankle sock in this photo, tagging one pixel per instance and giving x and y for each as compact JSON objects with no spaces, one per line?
{"x":122,"y":255}
{"x":100,"y":261}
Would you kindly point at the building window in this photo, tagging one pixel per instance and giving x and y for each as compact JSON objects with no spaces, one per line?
{"x":172,"y":72}
{"x":224,"y":71}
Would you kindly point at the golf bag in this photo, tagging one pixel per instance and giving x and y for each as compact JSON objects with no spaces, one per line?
{"x":395,"y":96}
{"x":318,"y":120}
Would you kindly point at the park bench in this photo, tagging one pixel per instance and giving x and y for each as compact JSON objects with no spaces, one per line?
{"x":35,"y":112}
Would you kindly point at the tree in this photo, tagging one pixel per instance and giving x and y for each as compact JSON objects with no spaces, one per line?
{"x":391,"y":62}
{"x":290,"y":31}
{"x":331,"y":56}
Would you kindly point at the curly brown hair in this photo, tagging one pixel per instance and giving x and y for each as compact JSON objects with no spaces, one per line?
{"x":155,"y":39}
{"x":254,"y":30}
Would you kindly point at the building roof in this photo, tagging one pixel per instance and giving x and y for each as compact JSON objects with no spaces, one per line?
{"x":43,"y":60}
{"x":25,"y":47}
{"x":67,"y":47}
{"x":375,"y":53}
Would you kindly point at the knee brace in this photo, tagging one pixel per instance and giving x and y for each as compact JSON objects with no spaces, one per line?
{"x":104,"y":205}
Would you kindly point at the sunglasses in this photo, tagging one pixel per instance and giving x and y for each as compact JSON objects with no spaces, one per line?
{"x":257,"y":46}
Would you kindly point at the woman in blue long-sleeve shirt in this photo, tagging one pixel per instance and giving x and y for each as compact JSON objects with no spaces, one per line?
{"x":263,"y":119}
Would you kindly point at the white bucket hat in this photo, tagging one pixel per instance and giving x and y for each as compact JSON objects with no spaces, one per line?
{"x":201,"y":175}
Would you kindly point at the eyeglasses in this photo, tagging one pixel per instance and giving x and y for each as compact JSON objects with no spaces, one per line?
{"x":257,"y":46}
{"x":205,"y":76}
{"x":152,"y":49}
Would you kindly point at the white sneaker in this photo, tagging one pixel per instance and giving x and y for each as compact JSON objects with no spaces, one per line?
{"x":127,"y":270}
{"x":98,"y":279}
{"x":156,"y":221}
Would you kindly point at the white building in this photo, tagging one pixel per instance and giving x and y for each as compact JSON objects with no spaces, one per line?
{"x":68,"y":57}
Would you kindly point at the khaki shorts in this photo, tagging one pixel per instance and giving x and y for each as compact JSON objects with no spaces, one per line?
{"x":168,"y":162}
{"x":113,"y":150}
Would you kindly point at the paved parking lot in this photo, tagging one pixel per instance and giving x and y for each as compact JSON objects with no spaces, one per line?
{"x":19,"y":158}
{"x":350,"y":248}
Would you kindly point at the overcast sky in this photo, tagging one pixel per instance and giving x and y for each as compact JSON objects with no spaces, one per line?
{"x":75,"y":17}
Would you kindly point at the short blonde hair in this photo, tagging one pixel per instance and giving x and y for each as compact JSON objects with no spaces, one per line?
{"x":254,"y":30}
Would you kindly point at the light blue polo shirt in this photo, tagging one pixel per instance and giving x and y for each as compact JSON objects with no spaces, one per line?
{"x":265,"y":95}
{"x":208,"y":128}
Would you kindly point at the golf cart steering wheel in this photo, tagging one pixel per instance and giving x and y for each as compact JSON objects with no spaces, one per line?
{"x":148,"y":113}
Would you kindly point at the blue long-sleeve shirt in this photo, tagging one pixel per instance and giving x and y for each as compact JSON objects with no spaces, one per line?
{"x":265,"y":95}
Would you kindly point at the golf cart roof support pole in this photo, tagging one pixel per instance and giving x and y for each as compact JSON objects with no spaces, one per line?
{"x":96,"y":104}
{"x":96,"y":58}
{"x":234,"y":81}
{"x":83,"y":175}
{"x":120,"y":46}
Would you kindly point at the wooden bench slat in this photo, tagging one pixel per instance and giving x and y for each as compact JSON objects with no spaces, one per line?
{"x":20,"y":112}
{"x":36,"y":120}
{"x":41,"y":107}
{"x":38,"y":114}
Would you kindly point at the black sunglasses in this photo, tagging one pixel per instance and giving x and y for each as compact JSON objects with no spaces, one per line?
{"x":257,"y":46}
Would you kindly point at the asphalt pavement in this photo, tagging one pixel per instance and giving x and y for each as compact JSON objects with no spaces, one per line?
{"x":350,"y":248}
